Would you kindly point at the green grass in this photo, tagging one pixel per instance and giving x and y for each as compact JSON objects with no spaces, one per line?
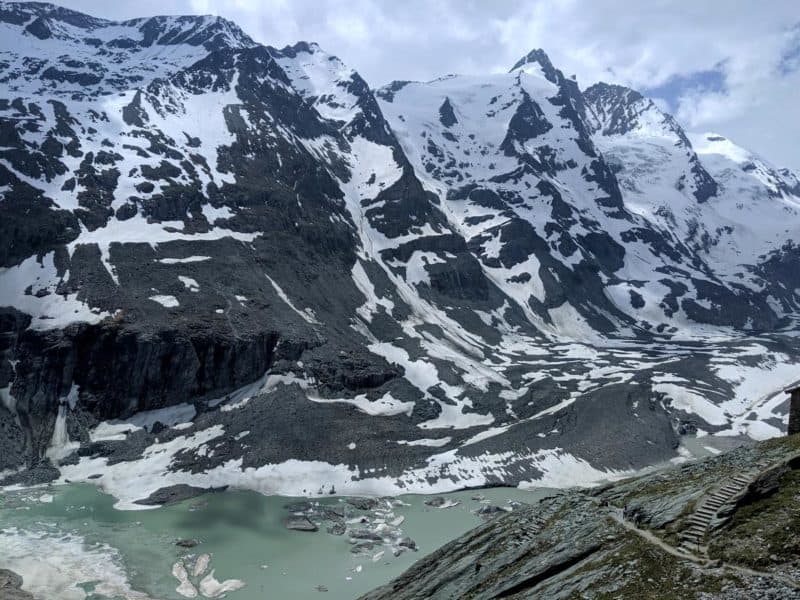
{"x":766,"y":532}
{"x":635,"y":569}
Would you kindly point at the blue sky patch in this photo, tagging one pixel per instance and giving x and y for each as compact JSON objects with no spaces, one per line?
{"x":790,"y":60}
{"x":710,"y":81}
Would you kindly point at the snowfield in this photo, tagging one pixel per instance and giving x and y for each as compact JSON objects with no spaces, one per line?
{"x":228,"y":264}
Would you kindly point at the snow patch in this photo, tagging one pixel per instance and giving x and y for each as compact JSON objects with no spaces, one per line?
{"x":189,"y":283}
{"x":165,"y":300}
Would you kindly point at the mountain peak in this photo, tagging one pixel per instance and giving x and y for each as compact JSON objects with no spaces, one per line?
{"x":299,"y":47}
{"x":612,"y":90}
{"x":79,"y":55}
{"x":539,"y":57}
{"x":617,"y":109}
{"x":44,"y":21}
{"x":210,"y":31}
{"x":21,"y":13}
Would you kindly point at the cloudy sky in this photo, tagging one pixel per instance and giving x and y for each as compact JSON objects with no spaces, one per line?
{"x":729,"y":66}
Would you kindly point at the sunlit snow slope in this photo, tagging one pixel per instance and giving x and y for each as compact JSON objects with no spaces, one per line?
{"x":223,"y":263}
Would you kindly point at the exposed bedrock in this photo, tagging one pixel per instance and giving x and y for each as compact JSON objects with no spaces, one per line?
{"x":576,"y":544}
{"x":11,"y":586}
{"x":117,"y":371}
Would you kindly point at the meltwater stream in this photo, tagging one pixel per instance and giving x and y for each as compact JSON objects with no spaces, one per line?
{"x":68,"y":542}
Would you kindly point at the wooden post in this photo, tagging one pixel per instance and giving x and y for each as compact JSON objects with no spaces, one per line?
{"x":794,"y":411}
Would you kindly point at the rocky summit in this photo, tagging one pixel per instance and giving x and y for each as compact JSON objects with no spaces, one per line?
{"x":228,"y":264}
{"x":724,"y":528}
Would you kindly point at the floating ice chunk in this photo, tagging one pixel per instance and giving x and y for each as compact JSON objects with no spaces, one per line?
{"x":185,"y":589}
{"x":211,"y":588}
{"x":52,"y":565}
{"x":201,"y":564}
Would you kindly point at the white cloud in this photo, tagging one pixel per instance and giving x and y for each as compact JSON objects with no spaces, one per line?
{"x":350,"y":26}
{"x":641,"y":44}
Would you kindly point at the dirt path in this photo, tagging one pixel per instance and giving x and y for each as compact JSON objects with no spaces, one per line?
{"x":616,"y":515}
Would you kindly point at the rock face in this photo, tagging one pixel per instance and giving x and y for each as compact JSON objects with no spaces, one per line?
{"x":231,"y":264}
{"x":300,"y":524}
{"x":175,"y":493}
{"x":11,"y":586}
{"x":575,"y":544}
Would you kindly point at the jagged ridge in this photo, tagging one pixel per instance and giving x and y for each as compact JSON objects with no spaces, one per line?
{"x":438,"y":285}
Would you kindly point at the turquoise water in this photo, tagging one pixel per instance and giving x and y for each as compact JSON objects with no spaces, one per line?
{"x":243,"y":532}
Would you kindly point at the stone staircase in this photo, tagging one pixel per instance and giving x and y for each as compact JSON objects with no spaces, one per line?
{"x":693,"y":538}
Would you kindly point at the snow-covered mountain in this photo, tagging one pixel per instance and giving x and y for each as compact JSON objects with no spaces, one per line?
{"x":223,"y":263}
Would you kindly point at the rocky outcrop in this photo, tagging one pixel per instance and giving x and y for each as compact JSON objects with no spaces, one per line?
{"x":176,"y":493}
{"x":11,"y":586}
{"x":578,"y":544}
{"x":116,"y":372}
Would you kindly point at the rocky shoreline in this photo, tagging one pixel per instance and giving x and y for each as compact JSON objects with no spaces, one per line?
{"x":11,"y":586}
{"x":623,"y":540}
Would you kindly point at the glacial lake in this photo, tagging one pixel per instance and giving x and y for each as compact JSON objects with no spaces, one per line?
{"x":60,"y":536}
